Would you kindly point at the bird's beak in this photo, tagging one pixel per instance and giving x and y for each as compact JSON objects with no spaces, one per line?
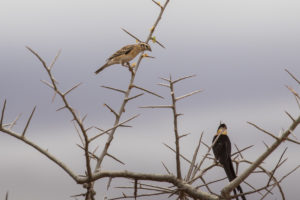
{"x":149,"y":48}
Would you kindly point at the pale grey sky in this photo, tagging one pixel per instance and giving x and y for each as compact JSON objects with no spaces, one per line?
{"x":237,"y":49}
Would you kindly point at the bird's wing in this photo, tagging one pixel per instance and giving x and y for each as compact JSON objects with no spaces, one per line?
{"x":217,"y":148}
{"x":123,"y":51}
{"x":227,"y":148}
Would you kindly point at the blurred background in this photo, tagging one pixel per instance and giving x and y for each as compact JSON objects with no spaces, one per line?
{"x":237,"y":49}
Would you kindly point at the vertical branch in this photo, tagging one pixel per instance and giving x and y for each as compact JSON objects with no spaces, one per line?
{"x":175,"y":115}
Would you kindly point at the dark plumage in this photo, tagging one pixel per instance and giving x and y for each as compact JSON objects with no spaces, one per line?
{"x":222,"y":152}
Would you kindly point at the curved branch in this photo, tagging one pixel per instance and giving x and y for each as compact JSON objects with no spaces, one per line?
{"x":42,"y":151}
{"x":182,"y":185}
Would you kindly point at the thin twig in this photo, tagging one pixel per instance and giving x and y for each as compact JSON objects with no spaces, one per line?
{"x":115,"y":89}
{"x":55,"y":59}
{"x":293,"y":76}
{"x":194,"y":158}
{"x":111,"y":110}
{"x":157,"y":106}
{"x":131,"y":35}
{"x":168,"y":171}
{"x":136,"y":96}
{"x":48,"y":84}
{"x":27,"y":124}
{"x":74,"y":87}
{"x":289,"y":115}
{"x":183,"y":78}
{"x":14,"y":122}
{"x":264,"y":131}
{"x":2,"y":113}
{"x":114,"y":127}
{"x":143,"y":89}
{"x":187,"y":95}
{"x":116,"y":159}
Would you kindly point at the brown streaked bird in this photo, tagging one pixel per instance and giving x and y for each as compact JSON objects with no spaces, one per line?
{"x":222,"y":152}
{"x":125,"y":54}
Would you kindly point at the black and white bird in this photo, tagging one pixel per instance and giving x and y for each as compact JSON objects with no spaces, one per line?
{"x":222,"y":152}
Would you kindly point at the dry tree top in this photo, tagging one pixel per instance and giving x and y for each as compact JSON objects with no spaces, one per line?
{"x":189,"y":183}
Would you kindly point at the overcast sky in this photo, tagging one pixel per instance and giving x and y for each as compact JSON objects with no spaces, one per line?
{"x":237,"y":49}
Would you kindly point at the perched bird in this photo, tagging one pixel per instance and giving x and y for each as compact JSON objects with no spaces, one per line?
{"x":125,"y":54}
{"x":222,"y":152}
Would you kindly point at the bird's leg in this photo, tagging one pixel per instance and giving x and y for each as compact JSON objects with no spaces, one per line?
{"x":130,"y":68}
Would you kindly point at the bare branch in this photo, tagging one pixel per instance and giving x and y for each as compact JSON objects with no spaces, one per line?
{"x":27,"y":124}
{"x":294,"y":141}
{"x":244,"y":149}
{"x":154,"y":40}
{"x":289,"y":173}
{"x":293,"y":91}
{"x":114,"y":127}
{"x":264,"y":131}
{"x":194,"y":158}
{"x":168,"y":171}
{"x":141,"y":195}
{"x":289,"y":115}
{"x":136,"y":96}
{"x":157,"y":106}
{"x":14,"y":122}
{"x":184,"y":135}
{"x":83,"y":119}
{"x":183,"y":78}
{"x":267,"y":146}
{"x":82,"y":142}
{"x":115,"y":89}
{"x":109,"y":182}
{"x":298,"y":103}
{"x":137,"y":39}
{"x":116,"y":159}
{"x":55,"y":59}
{"x":40,"y":59}
{"x":2,"y":114}
{"x":184,"y":158}
{"x":157,"y":3}
{"x":143,"y":89}
{"x":61,"y":108}
{"x":111,"y":110}
{"x":74,"y":87}
{"x":277,"y":166}
{"x":44,"y":152}
{"x":135,"y":188}
{"x":187,"y":95}
{"x":165,"y":79}
{"x":164,"y":85}
{"x":239,"y":152}
{"x":75,"y":117}
{"x":153,"y":177}
{"x":47,"y":83}
{"x":293,"y":76}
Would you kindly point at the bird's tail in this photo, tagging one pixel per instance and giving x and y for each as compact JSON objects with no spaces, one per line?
{"x":229,"y":170}
{"x":241,"y":191}
{"x":101,"y":68}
